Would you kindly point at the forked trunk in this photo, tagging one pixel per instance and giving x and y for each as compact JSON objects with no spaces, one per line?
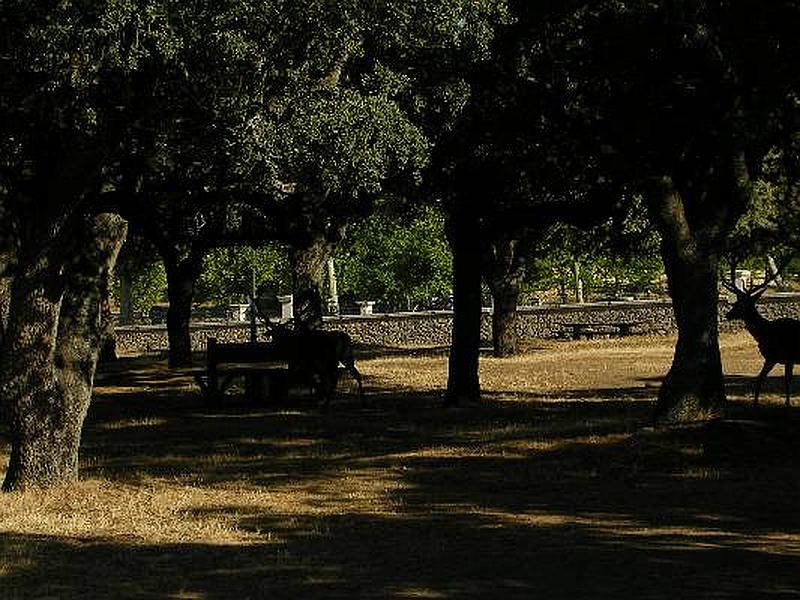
{"x":50,"y":354}
{"x":182,"y":274}
{"x":693,"y":389}
{"x":463,"y":383}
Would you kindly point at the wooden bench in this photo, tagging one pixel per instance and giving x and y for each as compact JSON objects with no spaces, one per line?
{"x":589,"y":330}
{"x":266,"y":376}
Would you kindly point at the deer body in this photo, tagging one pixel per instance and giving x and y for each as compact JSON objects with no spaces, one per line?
{"x":314,"y":357}
{"x":778,"y":340}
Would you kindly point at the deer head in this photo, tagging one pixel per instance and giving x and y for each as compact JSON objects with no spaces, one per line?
{"x":745,"y":305}
{"x":745,"y":302}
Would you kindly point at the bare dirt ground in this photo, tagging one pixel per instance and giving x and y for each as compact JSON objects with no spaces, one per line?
{"x":554,"y":487}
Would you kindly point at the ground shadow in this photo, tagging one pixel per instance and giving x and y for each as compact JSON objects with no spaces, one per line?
{"x":525,"y":495}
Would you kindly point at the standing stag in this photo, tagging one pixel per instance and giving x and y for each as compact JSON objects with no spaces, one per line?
{"x":313,"y":355}
{"x":778,"y":339}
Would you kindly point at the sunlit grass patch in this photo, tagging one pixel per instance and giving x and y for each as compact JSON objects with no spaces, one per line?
{"x":152,"y":512}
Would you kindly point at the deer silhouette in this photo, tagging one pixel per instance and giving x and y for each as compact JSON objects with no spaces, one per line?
{"x":778,"y":339}
{"x":313,"y":355}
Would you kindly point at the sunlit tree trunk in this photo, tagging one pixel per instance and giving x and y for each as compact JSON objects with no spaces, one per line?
{"x":503,"y":273}
{"x":50,"y":353}
{"x":577,"y":280}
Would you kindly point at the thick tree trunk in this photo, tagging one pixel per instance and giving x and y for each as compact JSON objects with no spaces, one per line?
{"x":309,"y":268}
{"x":693,"y":389}
{"x":182,"y":273}
{"x":463,"y":383}
{"x":49,"y":358}
{"x":503,"y":272}
{"x":505,"y":340}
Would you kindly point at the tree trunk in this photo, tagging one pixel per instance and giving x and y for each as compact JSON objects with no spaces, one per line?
{"x":49,"y":359}
{"x":505,"y":340}
{"x":182,"y":273}
{"x":577,"y":280}
{"x":693,"y":389}
{"x":309,"y":268}
{"x":125,"y":297}
{"x":463,"y":383}
{"x":108,"y":335}
{"x":503,"y":272}
{"x":5,"y":299}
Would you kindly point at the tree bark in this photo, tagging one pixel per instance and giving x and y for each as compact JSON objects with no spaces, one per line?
{"x":125,"y":297}
{"x":50,"y":353}
{"x":309,"y":267}
{"x":505,"y":340}
{"x":108,"y":322}
{"x":182,"y":273}
{"x":503,"y":272}
{"x":693,"y":389}
{"x":5,"y":299}
{"x":463,"y":382}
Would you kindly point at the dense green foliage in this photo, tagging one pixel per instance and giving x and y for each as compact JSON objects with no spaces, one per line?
{"x":607,"y":267}
{"x":403,"y":264}
{"x":230,"y":274}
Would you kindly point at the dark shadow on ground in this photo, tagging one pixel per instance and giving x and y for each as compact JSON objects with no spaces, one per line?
{"x":568,"y":496}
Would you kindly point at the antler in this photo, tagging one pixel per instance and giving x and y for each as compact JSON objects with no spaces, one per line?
{"x":271,"y":326}
{"x":760,"y":288}
{"x":731,"y":285}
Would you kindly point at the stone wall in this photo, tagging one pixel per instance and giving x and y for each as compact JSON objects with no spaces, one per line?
{"x":433,"y":328}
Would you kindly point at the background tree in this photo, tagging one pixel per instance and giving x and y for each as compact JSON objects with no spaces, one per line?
{"x":509,"y":163}
{"x":140,"y":279}
{"x":681,"y":105}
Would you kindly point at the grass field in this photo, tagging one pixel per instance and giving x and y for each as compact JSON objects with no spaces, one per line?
{"x":554,"y":487}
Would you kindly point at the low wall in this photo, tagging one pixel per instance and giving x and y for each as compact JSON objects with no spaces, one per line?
{"x":433,"y":328}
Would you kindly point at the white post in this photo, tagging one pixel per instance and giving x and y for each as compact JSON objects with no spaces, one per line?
{"x":333,"y":298}
{"x":365,"y":307}
{"x":576,"y":271}
{"x":287,"y":307}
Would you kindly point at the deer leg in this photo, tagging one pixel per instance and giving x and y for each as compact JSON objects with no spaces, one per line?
{"x":351,"y":368}
{"x":787,"y":382}
{"x":761,"y":377}
{"x":329,"y":378}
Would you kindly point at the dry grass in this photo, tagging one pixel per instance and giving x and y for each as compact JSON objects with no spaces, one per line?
{"x":554,"y":487}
